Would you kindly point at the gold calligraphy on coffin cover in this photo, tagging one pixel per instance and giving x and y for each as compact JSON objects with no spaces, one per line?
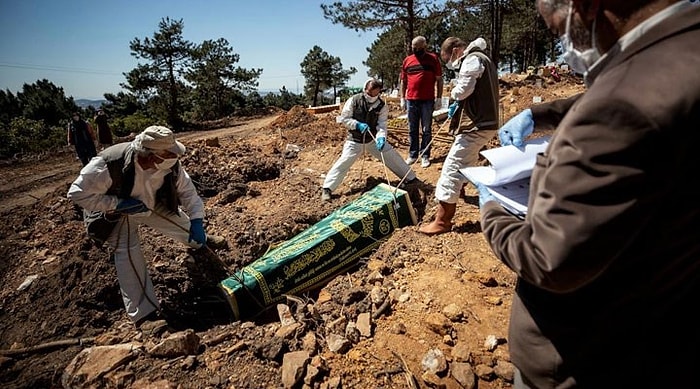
{"x":327,"y":248}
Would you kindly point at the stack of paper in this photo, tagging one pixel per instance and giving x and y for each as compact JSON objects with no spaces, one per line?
{"x":508,"y":176}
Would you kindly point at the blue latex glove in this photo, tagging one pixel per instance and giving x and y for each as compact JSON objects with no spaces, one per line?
{"x":380,"y":143}
{"x":517,"y":129}
{"x":484,"y":194}
{"x":197,"y":233}
{"x":451,"y":110}
{"x":130,"y":206}
{"x":362,"y":127}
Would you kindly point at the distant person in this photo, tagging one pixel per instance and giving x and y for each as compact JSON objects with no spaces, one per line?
{"x":421,"y":94}
{"x":134,"y":183}
{"x":82,"y":137}
{"x":473,"y":121}
{"x":365,"y":116}
{"x":608,"y":256}
{"x":104,"y":132}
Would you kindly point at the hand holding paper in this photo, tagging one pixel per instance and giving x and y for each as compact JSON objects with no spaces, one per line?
{"x":484,"y":194}
{"x":517,"y":129}
{"x":507,"y":179}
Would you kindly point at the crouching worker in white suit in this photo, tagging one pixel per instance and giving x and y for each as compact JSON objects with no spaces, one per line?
{"x":140,"y":182}
{"x":365,"y":116}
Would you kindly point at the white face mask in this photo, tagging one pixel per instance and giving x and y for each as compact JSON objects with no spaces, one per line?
{"x":580,"y":61}
{"x":371,"y":99}
{"x":456,"y":64}
{"x":166,"y":164}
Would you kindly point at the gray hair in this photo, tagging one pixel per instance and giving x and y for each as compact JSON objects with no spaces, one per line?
{"x":419,"y":42}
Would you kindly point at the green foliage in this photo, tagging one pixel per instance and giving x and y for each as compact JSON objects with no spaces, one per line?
{"x":215,"y":79}
{"x":366,"y":15}
{"x":23,"y":135}
{"x":10,"y":107}
{"x":122,"y":104}
{"x":45,"y":101}
{"x":134,"y":123}
{"x":167,"y":55}
{"x":386,"y":56}
{"x":284,"y":99}
{"x":322,"y":71}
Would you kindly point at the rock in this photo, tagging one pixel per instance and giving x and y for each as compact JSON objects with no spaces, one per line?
{"x":491,"y":343}
{"x":309,"y":343}
{"x":364,"y":324}
{"x":464,"y":374}
{"x":337,"y":343}
{"x":461,"y":352}
{"x":484,"y":372}
{"x":432,"y":380}
{"x":293,"y":365}
{"x":92,"y":363}
{"x":453,"y":312}
{"x":505,"y":370}
{"x":438,"y":323}
{"x":434,"y":361}
{"x":177,"y":344}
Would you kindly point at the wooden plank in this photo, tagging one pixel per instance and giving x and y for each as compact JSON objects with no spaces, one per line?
{"x":442,"y":137}
{"x":323,"y":108}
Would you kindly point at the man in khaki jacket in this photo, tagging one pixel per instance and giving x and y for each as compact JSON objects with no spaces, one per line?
{"x":608,"y":255}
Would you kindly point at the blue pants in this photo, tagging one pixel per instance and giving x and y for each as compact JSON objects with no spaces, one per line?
{"x":420,"y":114}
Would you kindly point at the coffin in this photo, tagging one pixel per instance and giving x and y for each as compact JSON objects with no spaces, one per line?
{"x":324,"y":250}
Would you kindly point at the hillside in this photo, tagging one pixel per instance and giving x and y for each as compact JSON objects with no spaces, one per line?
{"x":440,"y":302}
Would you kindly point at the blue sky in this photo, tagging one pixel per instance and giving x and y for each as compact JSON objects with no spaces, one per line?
{"x":83,"y":46}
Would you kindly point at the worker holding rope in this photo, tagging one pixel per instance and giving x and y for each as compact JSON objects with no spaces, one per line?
{"x":473,"y":117}
{"x":133,"y":183}
{"x":365,"y":116}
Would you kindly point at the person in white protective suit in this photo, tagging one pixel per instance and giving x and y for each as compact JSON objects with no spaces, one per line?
{"x":365,"y":116}
{"x":141,"y":182}
{"x":473,"y":117}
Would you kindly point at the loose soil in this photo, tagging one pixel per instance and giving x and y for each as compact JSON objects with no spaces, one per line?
{"x":260,"y":179}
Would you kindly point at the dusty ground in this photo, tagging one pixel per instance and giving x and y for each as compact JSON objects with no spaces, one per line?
{"x":424,"y":294}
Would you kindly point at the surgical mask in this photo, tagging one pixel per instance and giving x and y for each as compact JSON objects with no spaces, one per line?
{"x":166,"y":164}
{"x":371,"y":99}
{"x":454,"y":65}
{"x":579,"y":61}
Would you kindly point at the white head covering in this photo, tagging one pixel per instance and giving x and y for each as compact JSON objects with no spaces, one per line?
{"x":160,"y":138}
{"x":478,"y":42}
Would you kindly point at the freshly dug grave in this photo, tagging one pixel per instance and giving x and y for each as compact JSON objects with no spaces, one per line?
{"x":428,"y":310}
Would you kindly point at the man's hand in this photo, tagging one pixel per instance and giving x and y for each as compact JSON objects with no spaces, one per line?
{"x":484,"y":194}
{"x":438,"y":104}
{"x":197,"y":233}
{"x":452,"y":109}
{"x":362,"y":127}
{"x":380,"y":143}
{"x":130,"y":206}
{"x":517,"y":129}
{"x":402,"y":104}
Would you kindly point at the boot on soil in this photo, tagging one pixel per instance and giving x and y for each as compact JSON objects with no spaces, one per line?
{"x":153,"y":325}
{"x":443,"y":220}
{"x":325,"y":194}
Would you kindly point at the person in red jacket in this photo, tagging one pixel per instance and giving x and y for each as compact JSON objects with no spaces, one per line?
{"x":421,"y":93}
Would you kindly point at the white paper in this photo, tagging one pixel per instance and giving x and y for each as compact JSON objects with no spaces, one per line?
{"x":508,"y":176}
{"x":507,"y":163}
{"x":513,"y":195}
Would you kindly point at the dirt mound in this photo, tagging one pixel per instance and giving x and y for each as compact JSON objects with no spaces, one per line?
{"x":417,"y":301}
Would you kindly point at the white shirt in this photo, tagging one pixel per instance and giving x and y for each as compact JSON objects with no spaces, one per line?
{"x":90,"y":188}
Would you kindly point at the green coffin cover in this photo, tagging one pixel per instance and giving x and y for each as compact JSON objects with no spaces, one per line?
{"x":321,"y":252}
